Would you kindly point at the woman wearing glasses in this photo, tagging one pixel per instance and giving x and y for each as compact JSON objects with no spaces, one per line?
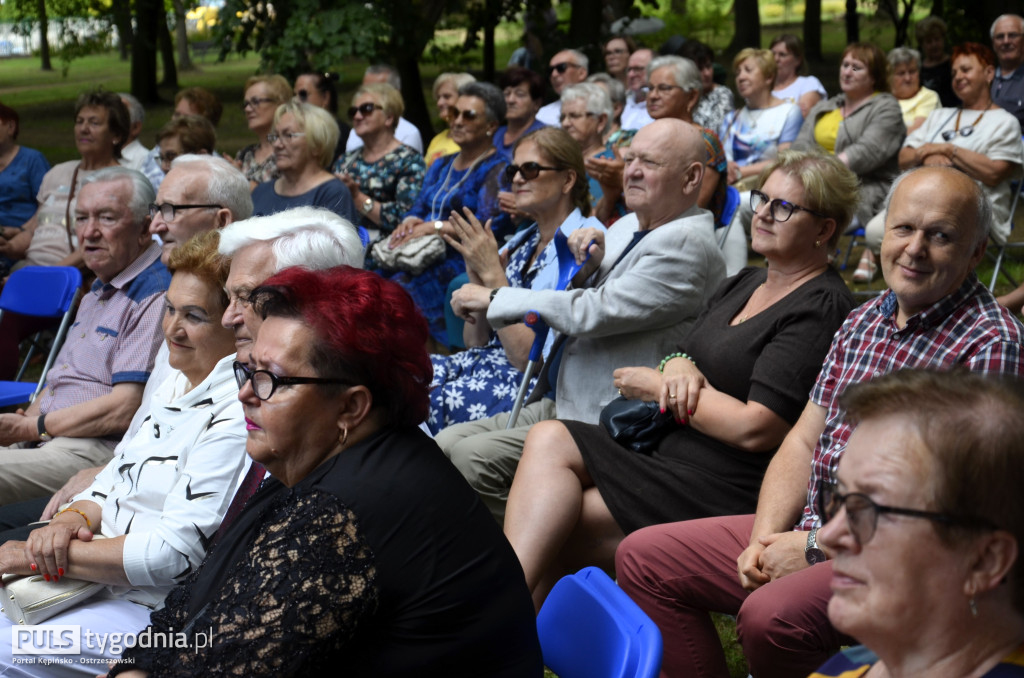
{"x":263,"y":94}
{"x":365,"y":549}
{"x":446,"y":91}
{"x":470,"y":178}
{"x":383,"y":175}
{"x":321,"y":89}
{"x":549,"y":186}
{"x":160,"y":500}
{"x":925,"y":527}
{"x":736,"y":386}
{"x":979,"y":138}
{"x":303,"y":140}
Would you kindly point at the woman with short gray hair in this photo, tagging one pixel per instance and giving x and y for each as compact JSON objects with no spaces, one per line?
{"x":916,"y":101}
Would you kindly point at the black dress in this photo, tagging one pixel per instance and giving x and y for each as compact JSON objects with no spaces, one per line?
{"x":381,"y":562}
{"x":773,"y":358}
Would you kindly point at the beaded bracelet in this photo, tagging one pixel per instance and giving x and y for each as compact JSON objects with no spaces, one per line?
{"x":670,"y":356}
{"x":81,"y":513}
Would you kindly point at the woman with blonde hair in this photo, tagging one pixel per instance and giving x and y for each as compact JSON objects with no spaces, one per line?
{"x":303,"y":138}
{"x":263,"y":94}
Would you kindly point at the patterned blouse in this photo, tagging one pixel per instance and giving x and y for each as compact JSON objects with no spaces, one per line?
{"x":394,"y":181}
{"x":712,"y":107}
{"x":259,"y":172}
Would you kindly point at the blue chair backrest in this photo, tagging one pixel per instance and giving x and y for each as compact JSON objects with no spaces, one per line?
{"x":732,"y":202}
{"x":590,"y":628}
{"x":567,"y":266}
{"x":44,"y":291}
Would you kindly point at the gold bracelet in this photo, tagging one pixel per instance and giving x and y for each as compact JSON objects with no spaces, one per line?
{"x":81,"y":513}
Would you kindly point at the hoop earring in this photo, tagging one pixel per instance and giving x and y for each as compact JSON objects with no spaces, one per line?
{"x":344,"y":438}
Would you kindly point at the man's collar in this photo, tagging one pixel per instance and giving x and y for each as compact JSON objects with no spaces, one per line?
{"x":132,"y":270}
{"x":937,"y":312}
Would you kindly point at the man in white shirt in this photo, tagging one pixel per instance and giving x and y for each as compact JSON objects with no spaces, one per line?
{"x":568,"y":67}
{"x":134,"y":154}
{"x":634,"y":115}
{"x":406,"y":132}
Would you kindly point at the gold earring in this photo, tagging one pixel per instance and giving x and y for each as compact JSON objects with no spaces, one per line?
{"x":344,"y":435}
{"x":817,"y":244}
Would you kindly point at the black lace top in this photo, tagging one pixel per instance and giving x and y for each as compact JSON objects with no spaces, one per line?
{"x":381,"y":562}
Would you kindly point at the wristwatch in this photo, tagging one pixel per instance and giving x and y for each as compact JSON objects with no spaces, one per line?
{"x":41,"y":428}
{"x":438,"y":225}
{"x":812,"y":552}
{"x":366,"y":206}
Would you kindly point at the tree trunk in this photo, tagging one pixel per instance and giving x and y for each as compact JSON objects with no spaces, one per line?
{"x":167,"y":53}
{"x":122,"y":13}
{"x":747,"y":17}
{"x":148,"y":15}
{"x":181,"y":37}
{"x":812,"y":30}
{"x":44,"y":40}
{"x":584,"y":27}
{"x":852,"y":24}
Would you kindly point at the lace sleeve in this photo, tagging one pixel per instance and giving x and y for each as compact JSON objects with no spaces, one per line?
{"x":287,"y":609}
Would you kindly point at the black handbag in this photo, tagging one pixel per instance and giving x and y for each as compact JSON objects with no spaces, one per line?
{"x":636,"y":424}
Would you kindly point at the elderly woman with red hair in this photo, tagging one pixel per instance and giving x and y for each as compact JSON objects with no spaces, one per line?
{"x":365,"y":548}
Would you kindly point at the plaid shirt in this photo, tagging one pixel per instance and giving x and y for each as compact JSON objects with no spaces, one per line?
{"x":967,"y":328}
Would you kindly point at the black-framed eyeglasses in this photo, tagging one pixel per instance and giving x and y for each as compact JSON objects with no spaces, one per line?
{"x":302,"y":94}
{"x":530,"y":170}
{"x":862,"y":513}
{"x":290,"y":136}
{"x":364,"y":109}
{"x":779,"y":209}
{"x":965,"y":131}
{"x":169,"y":211}
{"x":264,"y":382}
{"x":256,"y":102}
{"x":562,"y":67}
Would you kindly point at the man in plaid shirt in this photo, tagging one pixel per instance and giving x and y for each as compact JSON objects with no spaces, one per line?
{"x":935,"y":314}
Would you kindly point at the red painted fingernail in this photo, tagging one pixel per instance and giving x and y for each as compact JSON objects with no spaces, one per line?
{"x":683,"y":422}
{"x":60,"y":571}
{"x":33,"y":566}
{"x":689,"y":412}
{"x":46,"y":577}
{"x":663,"y":410}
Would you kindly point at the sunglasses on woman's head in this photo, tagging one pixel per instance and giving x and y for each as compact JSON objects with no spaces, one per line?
{"x":530,"y":170}
{"x":365,"y":109}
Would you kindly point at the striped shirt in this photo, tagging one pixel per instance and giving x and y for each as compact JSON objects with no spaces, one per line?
{"x":967,"y":328}
{"x":115,"y":335}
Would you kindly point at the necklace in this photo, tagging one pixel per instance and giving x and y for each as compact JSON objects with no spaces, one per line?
{"x":444,"y":194}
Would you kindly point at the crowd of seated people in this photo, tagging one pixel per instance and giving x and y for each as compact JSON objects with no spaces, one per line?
{"x":197,"y":307}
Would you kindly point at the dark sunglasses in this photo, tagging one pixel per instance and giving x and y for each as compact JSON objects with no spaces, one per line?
{"x":365,"y":109}
{"x":469,"y":115}
{"x":530,"y":170}
{"x":561,"y":68}
{"x":950,"y":134}
{"x":302,"y":94}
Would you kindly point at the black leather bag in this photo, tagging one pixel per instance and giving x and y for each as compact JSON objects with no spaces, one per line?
{"x":636,"y":424}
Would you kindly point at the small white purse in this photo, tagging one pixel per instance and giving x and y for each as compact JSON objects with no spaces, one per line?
{"x":30,"y":599}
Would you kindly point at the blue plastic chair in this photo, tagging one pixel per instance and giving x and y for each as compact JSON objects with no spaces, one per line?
{"x":732,"y":204}
{"x":590,"y":628}
{"x":43,"y":292}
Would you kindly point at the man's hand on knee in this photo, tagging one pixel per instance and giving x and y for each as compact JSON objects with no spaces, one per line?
{"x":783,"y":553}
{"x":749,"y":567}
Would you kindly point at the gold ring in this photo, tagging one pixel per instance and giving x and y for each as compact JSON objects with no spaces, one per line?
{"x":672,"y":397}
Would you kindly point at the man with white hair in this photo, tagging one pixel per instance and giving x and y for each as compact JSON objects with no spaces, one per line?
{"x":262,"y":246}
{"x":134,"y":154}
{"x":568,"y":67}
{"x":406,"y":132}
{"x":1007,"y":34}
{"x":97,"y":380}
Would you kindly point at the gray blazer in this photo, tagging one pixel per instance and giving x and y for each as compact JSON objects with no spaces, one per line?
{"x":871,"y":137}
{"x":634,"y":312}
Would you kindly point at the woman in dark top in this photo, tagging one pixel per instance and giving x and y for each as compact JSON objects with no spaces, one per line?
{"x":365,"y":553}
{"x":750,"y":361}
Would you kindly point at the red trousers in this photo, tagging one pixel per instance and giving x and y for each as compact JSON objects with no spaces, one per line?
{"x":679,"y":572}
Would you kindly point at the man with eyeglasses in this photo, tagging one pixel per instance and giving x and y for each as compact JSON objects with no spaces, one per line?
{"x":1008,"y":85}
{"x":568,"y":67}
{"x":769,"y":569}
{"x":635,"y":115}
{"x":97,"y":380}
